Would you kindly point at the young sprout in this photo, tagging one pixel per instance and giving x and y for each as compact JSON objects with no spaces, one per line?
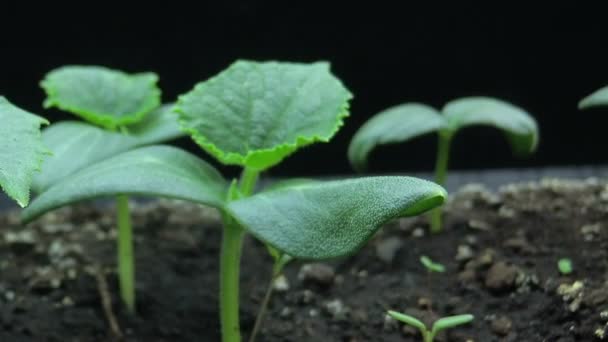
{"x":410,"y":120}
{"x":439,"y":325}
{"x":597,"y":98}
{"x":564,"y":266}
{"x":431,"y":266}
{"x":127,"y":110}
{"x":254,"y":115}
{"x":21,"y":150}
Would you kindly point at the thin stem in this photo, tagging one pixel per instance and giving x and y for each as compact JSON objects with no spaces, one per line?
{"x":441,"y":167}
{"x":126,"y":265}
{"x":263,"y":307}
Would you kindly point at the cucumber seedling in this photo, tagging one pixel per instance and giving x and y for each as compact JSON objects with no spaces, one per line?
{"x":407,"y":121}
{"x":123,"y":112}
{"x":21,"y":150}
{"x":254,"y":115}
{"x":439,"y":325}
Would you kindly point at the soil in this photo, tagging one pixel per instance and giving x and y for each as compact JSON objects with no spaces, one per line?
{"x":500,"y":251}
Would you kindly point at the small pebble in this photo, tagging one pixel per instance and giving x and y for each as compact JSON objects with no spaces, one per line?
{"x":318,"y":273}
{"x":464,"y":253}
{"x":388,"y":248}
{"x":501,"y":326}
{"x":501,"y":277}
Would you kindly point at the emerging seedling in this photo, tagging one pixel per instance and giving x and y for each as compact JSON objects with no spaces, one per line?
{"x":564,"y":266}
{"x":127,"y":109}
{"x":598,"y":98}
{"x":407,"y":121}
{"x":439,"y":325}
{"x":21,"y":150}
{"x":254,"y":115}
{"x":431,"y":266}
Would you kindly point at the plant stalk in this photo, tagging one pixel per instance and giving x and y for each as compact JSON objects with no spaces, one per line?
{"x":126,"y":264}
{"x":263,"y":307}
{"x":441,"y":168}
{"x":230,"y":259}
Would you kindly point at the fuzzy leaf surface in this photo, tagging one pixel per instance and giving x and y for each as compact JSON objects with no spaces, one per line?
{"x":256,"y":114}
{"x":76,"y":145}
{"x":325,"y":220}
{"x":519,"y":127}
{"x":162,"y":171}
{"x":597,"y":98}
{"x":102,"y":96}
{"x":21,"y":150}
{"x":394,"y":125}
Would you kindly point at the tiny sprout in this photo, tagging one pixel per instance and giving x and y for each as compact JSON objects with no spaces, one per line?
{"x":432,"y":266}
{"x":565,"y":266}
{"x":439,"y":325}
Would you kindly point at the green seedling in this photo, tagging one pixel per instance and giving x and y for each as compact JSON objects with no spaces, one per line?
{"x":431,"y":266}
{"x":596,"y":99}
{"x":407,"y":121}
{"x":254,"y":115}
{"x":123,"y":112}
{"x":21,"y":150}
{"x":439,"y":325}
{"x":564,"y":266}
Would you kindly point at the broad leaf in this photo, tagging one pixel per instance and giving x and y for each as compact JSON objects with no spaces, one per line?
{"x":598,"y":98}
{"x":21,"y":150}
{"x":102,"y":96}
{"x":394,"y":125}
{"x":148,"y":171}
{"x":331,"y":219}
{"x":518,"y":126}
{"x":76,"y":145}
{"x":256,"y":114}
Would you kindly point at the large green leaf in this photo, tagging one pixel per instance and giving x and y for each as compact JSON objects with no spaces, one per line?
{"x":394,"y":125}
{"x":148,"y":171}
{"x":21,"y":150}
{"x":76,"y":145}
{"x":518,"y":126}
{"x":331,"y":219}
{"x":102,"y":96}
{"x":598,"y":98}
{"x":256,"y":114}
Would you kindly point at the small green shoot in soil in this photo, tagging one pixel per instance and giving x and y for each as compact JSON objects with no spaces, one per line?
{"x":254,"y":115}
{"x":439,"y":325}
{"x":407,"y":121}
{"x":564,"y":266}
{"x":431,"y":266}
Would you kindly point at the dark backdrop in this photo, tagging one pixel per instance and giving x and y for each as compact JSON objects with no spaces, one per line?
{"x":542,"y":59}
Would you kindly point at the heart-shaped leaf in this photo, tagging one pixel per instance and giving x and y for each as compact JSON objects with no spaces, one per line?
{"x":598,"y":98}
{"x":21,"y":150}
{"x":102,"y":96}
{"x":331,"y":219}
{"x":256,"y":114}
{"x":148,"y":171}
{"x":518,"y":126}
{"x":76,"y":145}
{"x":394,"y":125}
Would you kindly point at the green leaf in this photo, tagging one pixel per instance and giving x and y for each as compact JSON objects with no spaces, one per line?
{"x":148,"y":171}
{"x":21,"y":150}
{"x":91,"y":144}
{"x":256,"y":114}
{"x":450,"y":322}
{"x":407,"y":319}
{"x":519,"y":127}
{"x":332,"y":219}
{"x":394,"y":125}
{"x":564,"y":266}
{"x":431,"y":265}
{"x":598,"y":98}
{"x":102,"y":96}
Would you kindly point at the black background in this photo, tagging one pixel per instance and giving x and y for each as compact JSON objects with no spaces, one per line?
{"x":543,"y":59}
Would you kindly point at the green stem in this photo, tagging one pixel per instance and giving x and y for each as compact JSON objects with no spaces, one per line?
{"x":126,"y":265}
{"x":230,"y":258}
{"x":263,"y":308}
{"x":441,"y":168}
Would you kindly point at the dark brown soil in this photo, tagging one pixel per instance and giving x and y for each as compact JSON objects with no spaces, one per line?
{"x":500,"y":251}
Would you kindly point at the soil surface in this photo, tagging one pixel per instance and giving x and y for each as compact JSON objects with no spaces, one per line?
{"x":500,"y":250}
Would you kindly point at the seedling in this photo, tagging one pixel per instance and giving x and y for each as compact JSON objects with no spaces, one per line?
{"x":597,"y":98}
{"x":254,"y":115}
{"x":21,"y":150}
{"x":431,"y":266}
{"x":410,"y":120}
{"x":439,"y":325}
{"x":564,"y":266}
{"x":127,"y":109}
